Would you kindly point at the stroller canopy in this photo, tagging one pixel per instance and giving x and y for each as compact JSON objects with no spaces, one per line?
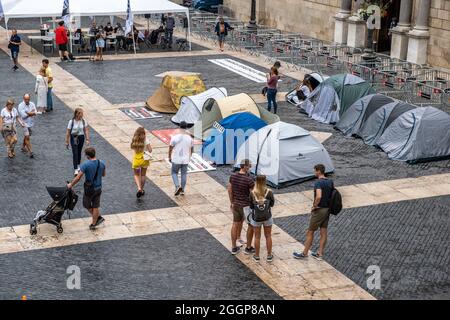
{"x":285,"y":153}
{"x":358,"y":113}
{"x":335,"y":95}
{"x":167,"y":98}
{"x":191,"y":106}
{"x":226,"y":138}
{"x":420,"y":134}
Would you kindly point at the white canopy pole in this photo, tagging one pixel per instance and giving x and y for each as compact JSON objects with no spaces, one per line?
{"x":189,"y":30}
{"x":6,"y":25}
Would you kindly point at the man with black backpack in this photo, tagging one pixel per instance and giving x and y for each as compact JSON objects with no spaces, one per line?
{"x":320,"y":213}
{"x":94,"y":171}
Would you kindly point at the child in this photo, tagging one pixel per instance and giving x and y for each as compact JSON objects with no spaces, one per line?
{"x":100,"y":43}
{"x":40,"y":90}
{"x":141,"y":160}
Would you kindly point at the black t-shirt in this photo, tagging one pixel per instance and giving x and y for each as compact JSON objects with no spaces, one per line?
{"x":16,"y":39}
{"x":109,"y":29}
{"x":326,"y":185}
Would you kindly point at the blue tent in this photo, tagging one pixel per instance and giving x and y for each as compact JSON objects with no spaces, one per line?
{"x":226,"y":137}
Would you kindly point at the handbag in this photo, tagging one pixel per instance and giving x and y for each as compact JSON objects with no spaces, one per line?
{"x":89,"y":189}
{"x":8,"y":127}
{"x":147,"y":156}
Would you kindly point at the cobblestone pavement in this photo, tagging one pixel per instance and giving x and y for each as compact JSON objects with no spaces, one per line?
{"x":164,"y":266}
{"x":408,"y":240}
{"x":24,"y":179}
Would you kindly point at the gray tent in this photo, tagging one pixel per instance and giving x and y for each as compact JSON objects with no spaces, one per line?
{"x":285,"y":153}
{"x":420,"y":134}
{"x":375,"y":124}
{"x":358,"y":113}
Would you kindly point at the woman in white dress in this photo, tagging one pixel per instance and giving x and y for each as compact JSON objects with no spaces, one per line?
{"x":41,"y":91}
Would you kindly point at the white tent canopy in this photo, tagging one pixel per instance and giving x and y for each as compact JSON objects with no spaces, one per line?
{"x":53,"y":8}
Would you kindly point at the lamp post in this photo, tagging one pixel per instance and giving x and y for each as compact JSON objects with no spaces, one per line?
{"x":252,"y":23}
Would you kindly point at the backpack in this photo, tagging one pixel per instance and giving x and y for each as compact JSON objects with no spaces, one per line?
{"x":335,"y":202}
{"x":261,"y":211}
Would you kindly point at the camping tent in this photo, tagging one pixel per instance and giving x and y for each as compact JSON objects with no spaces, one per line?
{"x":420,"y":134}
{"x":167,"y":98}
{"x":377,"y":122}
{"x":226,"y":138}
{"x":284,"y":153}
{"x":355,"y":116}
{"x":191,"y":106}
{"x":215,"y":110}
{"x":53,"y":8}
{"x":314,"y":78}
{"x":333,"y":96}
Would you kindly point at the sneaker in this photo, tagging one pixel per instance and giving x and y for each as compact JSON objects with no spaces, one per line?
{"x":249,"y":250}
{"x":299,"y":255}
{"x":256,"y":258}
{"x":269,"y":258}
{"x":177,"y":191}
{"x":235,"y":250}
{"x":100,"y":220}
{"x":75,"y":173}
{"x":182,"y":192}
{"x":91,"y":227}
{"x":139,"y":194}
{"x":32,"y":155}
{"x":316,"y":256}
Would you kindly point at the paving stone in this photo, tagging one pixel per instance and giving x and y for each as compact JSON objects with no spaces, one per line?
{"x":408,"y":240}
{"x":149,"y":267}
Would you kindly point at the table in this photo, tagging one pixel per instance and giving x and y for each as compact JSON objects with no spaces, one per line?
{"x":47,"y":38}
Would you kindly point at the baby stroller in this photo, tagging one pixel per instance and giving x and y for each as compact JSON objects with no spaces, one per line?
{"x":64,"y":199}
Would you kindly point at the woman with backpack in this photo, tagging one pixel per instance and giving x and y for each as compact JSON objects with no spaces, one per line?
{"x":77,"y":133}
{"x":261,"y":203}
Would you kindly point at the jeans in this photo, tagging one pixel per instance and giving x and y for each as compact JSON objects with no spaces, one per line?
{"x":77,"y":147}
{"x":175,"y":169}
{"x":49,"y":99}
{"x":169,"y":34}
{"x":272,"y":99}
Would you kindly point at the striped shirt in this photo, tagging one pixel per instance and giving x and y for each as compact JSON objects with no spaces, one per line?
{"x":241,"y":184}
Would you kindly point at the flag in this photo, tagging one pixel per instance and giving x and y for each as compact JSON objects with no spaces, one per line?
{"x":66,"y":13}
{"x":1,"y":9}
{"x":129,"y":23}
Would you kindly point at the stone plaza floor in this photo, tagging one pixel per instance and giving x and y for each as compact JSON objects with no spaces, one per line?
{"x":396,"y":215}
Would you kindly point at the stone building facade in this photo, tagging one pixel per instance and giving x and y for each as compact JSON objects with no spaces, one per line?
{"x":422,"y":34}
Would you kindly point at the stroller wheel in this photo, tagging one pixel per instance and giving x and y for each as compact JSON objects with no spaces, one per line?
{"x":59,"y":229}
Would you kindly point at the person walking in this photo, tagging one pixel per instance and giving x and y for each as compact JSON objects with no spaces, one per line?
{"x":170,"y":25}
{"x":77,"y":134}
{"x":320,"y":215}
{"x":141,"y":160}
{"x":261,"y":203}
{"x":49,"y":76}
{"x":239,"y":188}
{"x":272,"y":89}
{"x":41,"y":89}
{"x":14,"y":46}
{"x":180,"y":152}
{"x":27,"y":111}
{"x":94,"y":171}
{"x":222,"y":29}
{"x":62,"y":41}
{"x":8,"y":118}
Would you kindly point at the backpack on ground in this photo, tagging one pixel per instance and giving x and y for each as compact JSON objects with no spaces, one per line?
{"x":335,"y":202}
{"x":261,"y":210}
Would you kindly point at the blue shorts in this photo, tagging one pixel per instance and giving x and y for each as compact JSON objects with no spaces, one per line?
{"x":14,"y":54}
{"x":221,"y":38}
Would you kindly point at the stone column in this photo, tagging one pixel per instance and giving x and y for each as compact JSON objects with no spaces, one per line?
{"x":419,"y":36}
{"x":399,"y":45}
{"x":340,"y":24}
{"x":357,"y":32}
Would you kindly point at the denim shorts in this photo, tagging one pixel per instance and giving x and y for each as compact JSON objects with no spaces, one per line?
{"x":14,"y":54}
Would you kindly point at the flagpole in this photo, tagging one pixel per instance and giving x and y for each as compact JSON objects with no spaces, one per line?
{"x":134,"y":42}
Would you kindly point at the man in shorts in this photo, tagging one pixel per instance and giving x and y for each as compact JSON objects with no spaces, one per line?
{"x":320,"y":215}
{"x":27,"y":111}
{"x":62,"y":40}
{"x":239,"y":190}
{"x":94,"y":170}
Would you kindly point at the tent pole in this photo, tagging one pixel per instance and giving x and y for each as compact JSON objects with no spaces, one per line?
{"x":6,"y":25}
{"x":54,"y":23}
{"x":189,"y":30}
{"x":134,"y":42}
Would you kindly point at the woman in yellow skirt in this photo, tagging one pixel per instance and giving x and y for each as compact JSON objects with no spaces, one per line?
{"x":142,"y":149}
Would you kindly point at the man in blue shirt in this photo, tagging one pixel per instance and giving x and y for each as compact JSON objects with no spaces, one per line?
{"x":320,"y":214}
{"x":93,"y":170}
{"x":14,"y":44}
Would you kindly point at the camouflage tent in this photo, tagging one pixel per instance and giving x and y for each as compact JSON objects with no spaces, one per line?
{"x":167,"y":98}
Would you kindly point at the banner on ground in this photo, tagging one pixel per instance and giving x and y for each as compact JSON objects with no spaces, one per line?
{"x":197,"y":164}
{"x":139,"y":113}
{"x":167,"y":134}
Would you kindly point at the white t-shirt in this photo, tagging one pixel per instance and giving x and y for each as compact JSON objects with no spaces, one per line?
{"x":78,"y":127}
{"x":23,"y":109}
{"x":182,"y":145}
{"x":9,"y":117}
